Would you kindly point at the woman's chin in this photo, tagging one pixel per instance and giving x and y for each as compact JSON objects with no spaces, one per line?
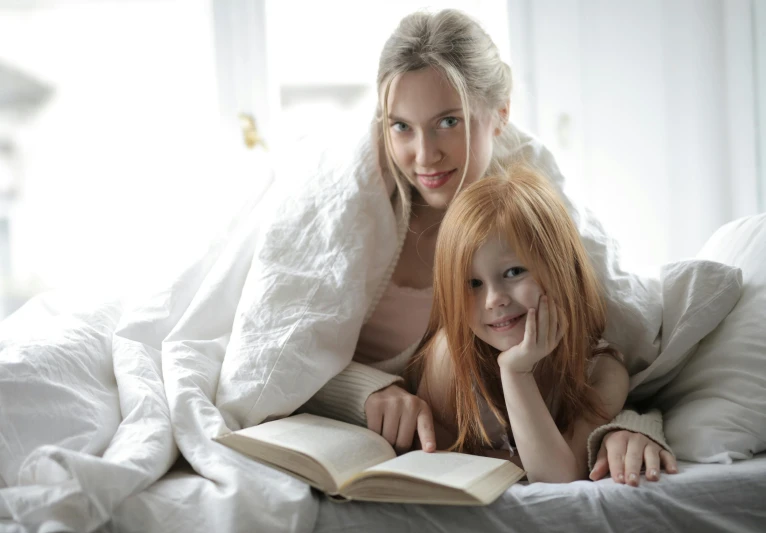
{"x":436,"y":199}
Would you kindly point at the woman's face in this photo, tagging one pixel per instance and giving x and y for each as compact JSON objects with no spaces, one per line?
{"x":427,"y":126}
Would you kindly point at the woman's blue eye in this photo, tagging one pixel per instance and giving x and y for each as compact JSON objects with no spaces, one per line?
{"x":475,"y":283}
{"x":514,"y":271}
{"x":449,"y":122}
{"x":400,"y":126}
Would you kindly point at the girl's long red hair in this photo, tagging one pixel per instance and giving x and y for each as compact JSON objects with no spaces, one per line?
{"x":525,"y":209}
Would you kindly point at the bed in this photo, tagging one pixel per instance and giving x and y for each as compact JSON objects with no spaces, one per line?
{"x":108,"y":411}
{"x":701,"y":498}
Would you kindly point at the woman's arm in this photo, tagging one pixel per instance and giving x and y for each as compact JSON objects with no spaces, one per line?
{"x":626,"y":443}
{"x":344,"y":396}
{"x":374,"y":399}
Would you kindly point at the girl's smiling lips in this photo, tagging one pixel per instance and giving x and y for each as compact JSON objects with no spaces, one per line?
{"x":436,"y":179}
{"x":506,"y":323}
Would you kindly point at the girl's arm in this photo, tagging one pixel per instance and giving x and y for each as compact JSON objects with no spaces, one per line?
{"x":610,"y":380}
{"x":548,"y":455}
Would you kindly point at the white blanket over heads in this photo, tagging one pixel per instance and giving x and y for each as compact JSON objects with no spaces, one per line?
{"x":96,"y":401}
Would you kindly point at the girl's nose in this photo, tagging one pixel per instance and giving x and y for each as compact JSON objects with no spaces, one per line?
{"x":497,"y":298}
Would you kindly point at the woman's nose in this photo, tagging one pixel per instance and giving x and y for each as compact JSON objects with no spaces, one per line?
{"x":427,"y":151}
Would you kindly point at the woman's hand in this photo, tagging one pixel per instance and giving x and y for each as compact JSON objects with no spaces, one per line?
{"x":542,"y":334}
{"x":396,"y":414}
{"x":623,"y":453}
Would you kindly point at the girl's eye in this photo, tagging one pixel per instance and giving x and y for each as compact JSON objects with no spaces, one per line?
{"x":400,"y":126}
{"x":448,"y":122}
{"x":475,"y":283}
{"x":514,"y":271}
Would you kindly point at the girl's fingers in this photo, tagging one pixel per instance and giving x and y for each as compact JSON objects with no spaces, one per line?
{"x":542,"y":319}
{"x":530,"y":331}
{"x":553,"y":329}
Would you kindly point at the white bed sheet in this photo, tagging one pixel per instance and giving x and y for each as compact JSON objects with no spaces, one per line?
{"x":701,"y":498}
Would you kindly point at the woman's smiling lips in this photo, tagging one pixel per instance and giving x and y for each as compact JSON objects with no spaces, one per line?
{"x":506,"y":323}
{"x":435,"y":180}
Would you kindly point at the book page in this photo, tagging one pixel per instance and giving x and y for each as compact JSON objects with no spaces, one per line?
{"x":343,"y":449}
{"x":456,"y":470}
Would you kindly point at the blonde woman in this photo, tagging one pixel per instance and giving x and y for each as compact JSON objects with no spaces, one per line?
{"x":442,"y":125}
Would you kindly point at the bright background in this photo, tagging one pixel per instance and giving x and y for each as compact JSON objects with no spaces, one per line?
{"x":121,"y":155}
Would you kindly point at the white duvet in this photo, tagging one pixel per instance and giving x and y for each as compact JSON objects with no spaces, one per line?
{"x":97,"y":400}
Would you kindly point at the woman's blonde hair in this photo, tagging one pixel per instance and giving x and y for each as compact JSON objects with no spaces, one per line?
{"x":524,"y":209}
{"x":457,"y":46}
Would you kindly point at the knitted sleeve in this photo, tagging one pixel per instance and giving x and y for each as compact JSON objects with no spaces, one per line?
{"x":344,"y":396}
{"x":649,"y":424}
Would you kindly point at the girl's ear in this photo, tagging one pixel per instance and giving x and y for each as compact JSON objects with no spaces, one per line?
{"x":502,"y":117}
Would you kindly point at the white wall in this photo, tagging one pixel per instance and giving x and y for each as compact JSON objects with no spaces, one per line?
{"x":649,"y":108}
{"x":123,"y":173}
{"x":759,"y":30}
{"x":298,"y":65}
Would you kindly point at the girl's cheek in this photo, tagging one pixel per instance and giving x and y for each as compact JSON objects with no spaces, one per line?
{"x":474,"y":318}
{"x":529,"y":294}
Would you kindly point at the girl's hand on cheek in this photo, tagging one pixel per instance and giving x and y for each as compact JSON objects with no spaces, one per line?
{"x":542,"y":333}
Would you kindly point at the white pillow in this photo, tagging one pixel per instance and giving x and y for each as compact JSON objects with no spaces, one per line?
{"x":697,"y":296}
{"x":715,"y":409}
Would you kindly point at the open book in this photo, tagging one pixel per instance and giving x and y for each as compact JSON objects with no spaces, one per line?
{"x":351,"y":462}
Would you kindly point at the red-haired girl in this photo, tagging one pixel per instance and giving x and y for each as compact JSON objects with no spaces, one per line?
{"x":514,"y":348}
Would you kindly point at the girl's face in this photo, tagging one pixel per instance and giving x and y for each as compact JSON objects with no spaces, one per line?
{"x":502,"y":293}
{"x":427,"y":127}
